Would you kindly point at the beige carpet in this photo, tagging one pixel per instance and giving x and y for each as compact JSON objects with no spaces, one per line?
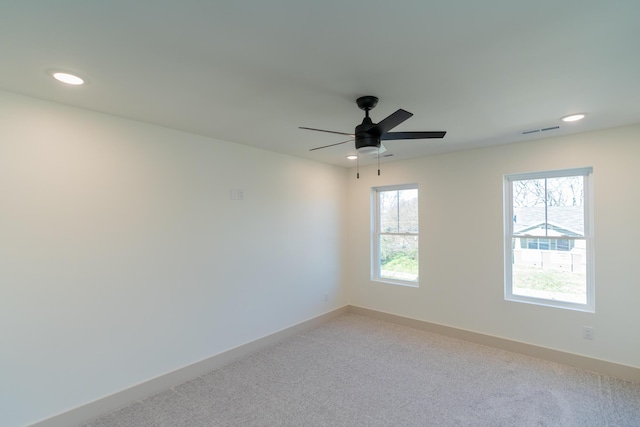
{"x":356,"y":371}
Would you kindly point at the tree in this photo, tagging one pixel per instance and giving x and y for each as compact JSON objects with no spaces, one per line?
{"x":561,"y":191}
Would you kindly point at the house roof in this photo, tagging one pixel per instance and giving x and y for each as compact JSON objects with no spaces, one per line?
{"x":561,"y":221}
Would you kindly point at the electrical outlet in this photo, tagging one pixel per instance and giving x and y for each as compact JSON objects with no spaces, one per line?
{"x":587,"y":332}
{"x":237,"y":194}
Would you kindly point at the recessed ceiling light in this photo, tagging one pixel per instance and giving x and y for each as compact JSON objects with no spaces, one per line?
{"x":352,"y":157}
{"x":573,"y":117}
{"x":67,"y":78}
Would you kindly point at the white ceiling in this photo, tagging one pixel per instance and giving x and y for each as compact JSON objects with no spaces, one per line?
{"x":252,"y":71}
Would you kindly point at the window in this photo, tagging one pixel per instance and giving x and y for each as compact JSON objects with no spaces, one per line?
{"x":395,"y":234}
{"x":548,"y":238}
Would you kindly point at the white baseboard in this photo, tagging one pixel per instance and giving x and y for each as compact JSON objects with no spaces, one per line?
{"x":117,"y":400}
{"x":616,"y":370}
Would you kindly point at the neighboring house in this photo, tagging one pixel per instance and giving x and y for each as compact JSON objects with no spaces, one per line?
{"x":542,"y":245}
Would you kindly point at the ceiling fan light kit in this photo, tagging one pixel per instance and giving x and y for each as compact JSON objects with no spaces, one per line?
{"x":367,"y":135}
{"x":367,"y":149}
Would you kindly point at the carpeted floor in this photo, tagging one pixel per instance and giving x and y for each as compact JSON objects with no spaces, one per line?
{"x":356,"y":371}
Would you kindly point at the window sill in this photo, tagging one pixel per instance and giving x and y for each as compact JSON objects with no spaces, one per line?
{"x":396,"y":282}
{"x":550,"y":303}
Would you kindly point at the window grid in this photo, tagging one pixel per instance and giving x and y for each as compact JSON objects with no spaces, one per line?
{"x":397,"y":235}
{"x":550,"y":249}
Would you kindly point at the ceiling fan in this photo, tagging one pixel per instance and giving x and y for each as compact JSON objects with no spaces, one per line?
{"x":368,"y":134}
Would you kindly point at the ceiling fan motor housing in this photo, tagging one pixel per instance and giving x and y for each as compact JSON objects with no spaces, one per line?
{"x":367,"y":141}
{"x":367,"y":135}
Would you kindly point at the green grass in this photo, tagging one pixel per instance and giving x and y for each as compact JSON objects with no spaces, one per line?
{"x":401,"y":263}
{"x":566,"y":285}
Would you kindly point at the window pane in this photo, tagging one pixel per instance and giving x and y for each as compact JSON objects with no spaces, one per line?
{"x":563,"y":245}
{"x":399,"y":211}
{"x":389,"y":212}
{"x":408,"y":211}
{"x":529,"y":207}
{"x":565,"y":201}
{"x":399,"y":257}
{"x":549,"y":207}
{"x":550,"y":274}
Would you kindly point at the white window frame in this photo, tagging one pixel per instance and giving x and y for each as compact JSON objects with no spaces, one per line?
{"x":376,"y":233}
{"x":587,"y":173}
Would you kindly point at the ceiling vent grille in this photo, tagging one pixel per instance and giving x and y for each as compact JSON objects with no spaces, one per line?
{"x":528,"y":132}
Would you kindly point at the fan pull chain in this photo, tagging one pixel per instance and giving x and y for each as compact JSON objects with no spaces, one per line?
{"x":358,"y":167}
{"x":378,"y":160}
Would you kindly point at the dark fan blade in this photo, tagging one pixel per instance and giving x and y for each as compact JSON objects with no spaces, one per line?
{"x":327,"y":131}
{"x":412,"y":135}
{"x":331,"y":145}
{"x":393,"y":120}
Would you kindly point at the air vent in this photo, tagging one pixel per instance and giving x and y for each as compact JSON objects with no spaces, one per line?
{"x":528,"y":132}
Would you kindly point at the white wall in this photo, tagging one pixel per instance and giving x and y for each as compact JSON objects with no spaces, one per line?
{"x":461,"y":218}
{"x":122,"y":256}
